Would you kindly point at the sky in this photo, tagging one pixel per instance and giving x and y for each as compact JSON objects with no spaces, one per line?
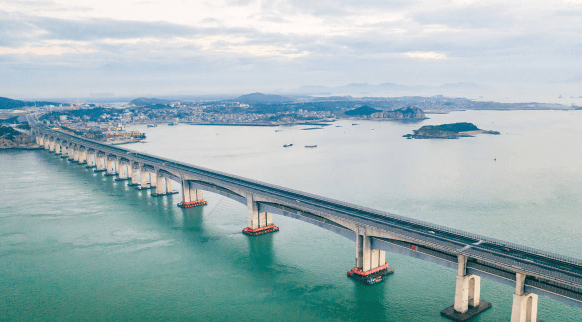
{"x":514,"y":50}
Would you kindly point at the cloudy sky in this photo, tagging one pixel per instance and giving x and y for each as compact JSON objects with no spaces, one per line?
{"x":67,"y":48}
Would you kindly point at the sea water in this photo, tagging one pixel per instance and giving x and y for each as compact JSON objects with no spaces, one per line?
{"x":76,"y":245}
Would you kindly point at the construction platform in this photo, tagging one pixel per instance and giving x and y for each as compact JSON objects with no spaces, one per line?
{"x":372,"y":276}
{"x":259,"y":231}
{"x":192,"y":203}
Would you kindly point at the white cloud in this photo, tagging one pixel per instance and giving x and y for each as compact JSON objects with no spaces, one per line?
{"x":44,"y":50}
{"x":425,"y":55}
{"x":339,"y":40}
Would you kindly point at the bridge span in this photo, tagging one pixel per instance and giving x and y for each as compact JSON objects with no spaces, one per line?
{"x":532,"y":272}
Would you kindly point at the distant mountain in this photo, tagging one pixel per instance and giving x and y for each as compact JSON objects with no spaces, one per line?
{"x":364,"y":88}
{"x":361,"y":111}
{"x":7,"y":103}
{"x":460,"y":86}
{"x":144,"y":101}
{"x":354,"y":88}
{"x":260,"y":98}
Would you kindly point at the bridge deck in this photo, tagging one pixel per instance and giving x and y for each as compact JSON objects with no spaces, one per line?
{"x":555,"y":274}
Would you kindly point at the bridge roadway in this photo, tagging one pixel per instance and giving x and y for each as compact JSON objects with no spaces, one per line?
{"x":547,"y":274}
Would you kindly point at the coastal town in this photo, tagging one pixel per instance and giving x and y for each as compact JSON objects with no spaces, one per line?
{"x":106,"y":122}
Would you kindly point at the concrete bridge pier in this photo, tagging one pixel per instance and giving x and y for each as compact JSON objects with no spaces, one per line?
{"x":83,"y":156}
{"x":101,"y":164}
{"x":258,"y":222}
{"x":51,"y":146}
{"x":72,"y":151}
{"x":468,"y":301}
{"x":124,"y":172}
{"x":45,"y":143}
{"x":64,"y":151}
{"x":144,"y":180}
{"x":525,"y":305}
{"x":371,"y":266}
{"x":91,"y":158}
{"x":76,"y":153}
{"x":191,"y":197}
{"x":134,"y":179}
{"x":58,"y":147}
{"x":160,"y":186}
{"x":111,"y":168}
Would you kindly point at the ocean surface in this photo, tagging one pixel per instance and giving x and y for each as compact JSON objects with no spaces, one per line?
{"x":77,"y":246}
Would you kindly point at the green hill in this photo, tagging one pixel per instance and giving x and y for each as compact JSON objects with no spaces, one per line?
{"x":7,"y":103}
{"x":260,"y":98}
{"x":144,"y":101}
{"x":362,"y":110}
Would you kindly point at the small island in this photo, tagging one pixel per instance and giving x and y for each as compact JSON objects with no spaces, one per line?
{"x":448,"y":131}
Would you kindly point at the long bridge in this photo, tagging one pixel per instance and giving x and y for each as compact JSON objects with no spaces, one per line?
{"x":532,"y":272}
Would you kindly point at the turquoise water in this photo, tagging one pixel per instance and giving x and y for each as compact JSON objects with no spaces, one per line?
{"x":75,"y":245}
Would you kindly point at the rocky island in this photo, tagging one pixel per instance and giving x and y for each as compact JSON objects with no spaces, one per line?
{"x":447,"y":131}
{"x":405,"y":113}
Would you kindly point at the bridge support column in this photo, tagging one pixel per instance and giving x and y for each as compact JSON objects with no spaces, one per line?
{"x":159,"y":185}
{"x":82,"y":156}
{"x":525,"y":305}
{"x":467,"y":295}
{"x":58,"y":148}
{"x":371,"y":266}
{"x":134,"y":179}
{"x":101,"y":165}
{"x":191,"y":197}
{"x":72,"y":150}
{"x":122,"y":173}
{"x":169,"y":189}
{"x":77,"y":154}
{"x":45,"y":142}
{"x":91,"y":160}
{"x":258,"y":222}
{"x":144,"y":180}
{"x":52,"y":145}
{"x":111,"y":169}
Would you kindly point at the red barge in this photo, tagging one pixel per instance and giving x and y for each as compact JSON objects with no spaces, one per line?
{"x":259,"y":231}
{"x":192,"y":203}
{"x":372,"y":276}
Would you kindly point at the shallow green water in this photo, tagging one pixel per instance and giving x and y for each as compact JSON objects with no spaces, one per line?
{"x":75,"y":245}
